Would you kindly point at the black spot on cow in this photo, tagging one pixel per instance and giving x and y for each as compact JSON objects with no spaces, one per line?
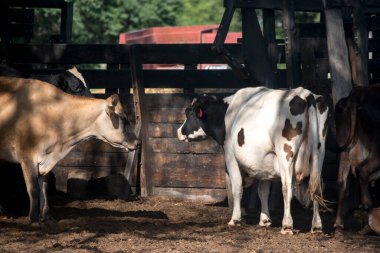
{"x":322,"y":107}
{"x":289,"y":132}
{"x":297,"y":105}
{"x":240,"y":137}
{"x":288,"y":151}
{"x":310,"y":100}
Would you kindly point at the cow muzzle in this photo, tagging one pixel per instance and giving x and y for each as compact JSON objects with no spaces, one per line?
{"x":133,"y":145}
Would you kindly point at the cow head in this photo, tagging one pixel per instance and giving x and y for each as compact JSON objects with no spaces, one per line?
{"x":204,"y":117}
{"x":73,"y":83}
{"x":114,"y":126}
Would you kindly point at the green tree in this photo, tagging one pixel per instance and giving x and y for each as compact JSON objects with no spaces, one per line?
{"x":98,"y":21}
{"x":200,"y":12}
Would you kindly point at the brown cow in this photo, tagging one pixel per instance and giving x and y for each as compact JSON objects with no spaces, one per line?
{"x":40,"y":125}
{"x":357,"y":119}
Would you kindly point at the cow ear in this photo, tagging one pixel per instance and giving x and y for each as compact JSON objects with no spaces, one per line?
{"x":200,"y":113}
{"x":113,"y":100}
{"x":111,"y":103}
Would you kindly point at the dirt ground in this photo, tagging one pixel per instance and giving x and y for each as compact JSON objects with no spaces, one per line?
{"x":157,"y":224}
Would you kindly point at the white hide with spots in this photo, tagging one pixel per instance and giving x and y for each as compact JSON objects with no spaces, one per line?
{"x":268,"y":135}
{"x":262,"y":113}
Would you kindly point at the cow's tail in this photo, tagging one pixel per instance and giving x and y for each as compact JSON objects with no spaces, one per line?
{"x":317,"y":130}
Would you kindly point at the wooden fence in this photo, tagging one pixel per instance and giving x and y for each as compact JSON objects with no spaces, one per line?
{"x":196,"y":170}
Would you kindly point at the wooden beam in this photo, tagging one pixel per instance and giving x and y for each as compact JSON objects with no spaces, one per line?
{"x":38,"y":4}
{"x":302,"y":5}
{"x":141,"y":113}
{"x":278,"y":5}
{"x":360,"y":32}
{"x":66,"y":22}
{"x":292,"y":62}
{"x":254,"y":50}
{"x":269,"y":31}
{"x":338,"y":54}
{"x":117,"y":54}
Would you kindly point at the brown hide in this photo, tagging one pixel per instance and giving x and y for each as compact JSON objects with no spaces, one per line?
{"x":40,"y":124}
{"x":357,"y":132}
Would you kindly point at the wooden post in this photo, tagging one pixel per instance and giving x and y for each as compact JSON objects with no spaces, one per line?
{"x":292,"y":61}
{"x":269,"y":26}
{"x":360,"y":32}
{"x":66,"y":22}
{"x":254,"y":50}
{"x":142,"y":119}
{"x":112,"y":90}
{"x":338,"y":54}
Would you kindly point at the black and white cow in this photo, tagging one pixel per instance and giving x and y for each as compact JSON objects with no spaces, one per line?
{"x":70,"y":81}
{"x":266,"y":134}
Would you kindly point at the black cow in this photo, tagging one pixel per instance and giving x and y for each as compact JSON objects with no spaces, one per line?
{"x":357,"y":119}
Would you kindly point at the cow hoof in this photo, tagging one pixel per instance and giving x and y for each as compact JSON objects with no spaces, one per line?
{"x":35,"y":224}
{"x":287,"y":231}
{"x":2,"y":211}
{"x":317,"y":230}
{"x":234,"y":223}
{"x":49,"y":221}
{"x":365,"y":230}
{"x":338,"y":226}
{"x":265,"y":223}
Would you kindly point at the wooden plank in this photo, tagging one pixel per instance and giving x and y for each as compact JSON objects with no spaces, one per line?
{"x":186,"y":53}
{"x":204,"y":194}
{"x":168,"y":115}
{"x":192,"y":78}
{"x":163,"y":130}
{"x":256,"y":58}
{"x":177,"y":100}
{"x":118,"y":54}
{"x":188,"y":170}
{"x":37,"y":4}
{"x":162,"y":78}
{"x":24,"y":16}
{"x":21,"y":30}
{"x":277,"y":4}
{"x":173,"y":145}
{"x":86,"y":159}
{"x":338,"y":55}
{"x":142,"y":116}
{"x":301,"y":5}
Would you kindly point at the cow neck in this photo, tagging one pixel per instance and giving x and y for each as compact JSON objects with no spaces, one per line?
{"x":215,"y":127}
{"x":88,"y":112}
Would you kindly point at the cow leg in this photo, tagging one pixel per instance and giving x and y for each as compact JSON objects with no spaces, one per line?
{"x":31,"y":180}
{"x":45,"y":210}
{"x":263,"y":191}
{"x":344,"y":170}
{"x":229,"y":191}
{"x":287,"y":221}
{"x":316,"y":225}
{"x":364,"y":170}
{"x":236,"y":187}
